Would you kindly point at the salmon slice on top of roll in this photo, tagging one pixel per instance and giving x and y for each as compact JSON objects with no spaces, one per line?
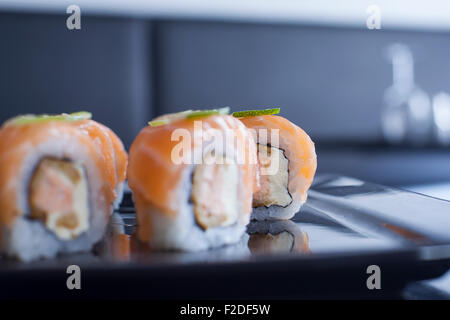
{"x":287,"y":164}
{"x":60,"y":177}
{"x":200,"y":203}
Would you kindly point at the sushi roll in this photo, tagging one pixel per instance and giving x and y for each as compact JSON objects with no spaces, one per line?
{"x":287,"y":164}
{"x":276,"y":237}
{"x":61,"y":175}
{"x":112,"y":149}
{"x":200,"y":203}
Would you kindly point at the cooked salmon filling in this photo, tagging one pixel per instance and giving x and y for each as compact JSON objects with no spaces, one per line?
{"x":274,"y":178}
{"x":214,"y":194}
{"x":268,"y":243}
{"x":58,"y":196}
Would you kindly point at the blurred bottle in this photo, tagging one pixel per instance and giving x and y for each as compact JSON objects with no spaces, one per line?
{"x":407,"y":113}
{"x":441,"y":118}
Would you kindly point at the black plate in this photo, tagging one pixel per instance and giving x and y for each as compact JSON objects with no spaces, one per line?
{"x":345,"y":226}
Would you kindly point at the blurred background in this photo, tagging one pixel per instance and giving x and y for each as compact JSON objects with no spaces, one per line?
{"x":368,"y":80}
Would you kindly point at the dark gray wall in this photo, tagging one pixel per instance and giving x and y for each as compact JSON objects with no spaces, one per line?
{"x":104,"y":68}
{"x":330,"y":81}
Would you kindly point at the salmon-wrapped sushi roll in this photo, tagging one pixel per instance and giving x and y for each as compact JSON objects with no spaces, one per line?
{"x":203,"y":201}
{"x":287,"y":163}
{"x":116,"y":158}
{"x":60,"y":177}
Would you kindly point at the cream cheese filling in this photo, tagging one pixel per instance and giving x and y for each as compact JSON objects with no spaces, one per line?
{"x":274,"y":179}
{"x":58,"y":196}
{"x":214,"y":193}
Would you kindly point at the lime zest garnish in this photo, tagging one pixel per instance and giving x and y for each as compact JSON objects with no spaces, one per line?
{"x":80,"y":115}
{"x":187,"y":114}
{"x":205,"y":113}
{"x":254,"y":113}
{"x":156,"y":123}
{"x":168,"y":118}
{"x":33,"y":118}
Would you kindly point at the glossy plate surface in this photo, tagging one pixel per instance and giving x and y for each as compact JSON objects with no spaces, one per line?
{"x":345,"y":226}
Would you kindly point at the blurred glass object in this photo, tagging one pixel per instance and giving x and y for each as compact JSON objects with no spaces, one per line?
{"x":407,"y":112}
{"x":441,"y":117}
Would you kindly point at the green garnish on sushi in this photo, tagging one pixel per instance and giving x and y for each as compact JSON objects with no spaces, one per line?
{"x":206,"y":113}
{"x":168,"y":118}
{"x":32,"y":118}
{"x":80,"y":115}
{"x":254,"y":113}
{"x":187,"y":114}
{"x":156,"y":123}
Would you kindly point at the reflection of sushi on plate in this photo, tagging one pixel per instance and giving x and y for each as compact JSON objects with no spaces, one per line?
{"x":276,"y":237}
{"x":60,"y":178}
{"x":197,"y":204}
{"x":116,"y":244}
{"x":287,"y":162}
